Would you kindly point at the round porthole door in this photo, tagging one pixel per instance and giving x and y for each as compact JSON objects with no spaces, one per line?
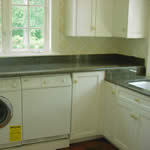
{"x":6,"y":112}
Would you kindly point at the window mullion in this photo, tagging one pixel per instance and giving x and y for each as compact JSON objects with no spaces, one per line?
{"x":6,"y":24}
{"x":28,"y":23}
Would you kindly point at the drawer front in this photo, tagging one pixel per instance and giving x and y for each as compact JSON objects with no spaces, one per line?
{"x":143,"y":102}
{"x":46,"y":81}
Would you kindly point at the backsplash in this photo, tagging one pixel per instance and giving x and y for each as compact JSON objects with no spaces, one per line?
{"x":64,"y":45}
{"x":132,"y":47}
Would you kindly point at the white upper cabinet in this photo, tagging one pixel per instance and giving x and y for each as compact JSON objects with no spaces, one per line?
{"x":79,"y":18}
{"x":104,"y":10}
{"x":129,"y":18}
{"x":84,"y":16}
{"x":106,"y":18}
{"x":89,"y":18}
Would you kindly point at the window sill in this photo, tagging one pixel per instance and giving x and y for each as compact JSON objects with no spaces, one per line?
{"x":25,"y":54}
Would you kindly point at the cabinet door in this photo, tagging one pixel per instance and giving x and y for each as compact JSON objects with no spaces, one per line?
{"x":120,"y":18}
{"x":85,"y":105}
{"x":137,"y":18}
{"x":104,"y":15}
{"x":109,"y":107}
{"x":84,"y":18}
{"x":143,"y":132}
{"x":126,"y":125}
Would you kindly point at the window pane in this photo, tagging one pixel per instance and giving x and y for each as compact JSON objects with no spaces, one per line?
{"x":19,"y":16}
{"x":36,"y":2}
{"x":19,"y":1}
{"x":36,"y":39}
{"x":18,"y":39}
{"x":36,"y":17}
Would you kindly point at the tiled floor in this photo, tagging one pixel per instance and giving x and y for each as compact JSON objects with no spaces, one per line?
{"x":100,"y":144}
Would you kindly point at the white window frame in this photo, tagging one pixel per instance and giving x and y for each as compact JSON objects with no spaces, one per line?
{"x":1,"y":26}
{"x":6,"y":32}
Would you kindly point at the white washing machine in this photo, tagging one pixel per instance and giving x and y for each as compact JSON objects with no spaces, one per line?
{"x":46,"y":107}
{"x":10,"y":112}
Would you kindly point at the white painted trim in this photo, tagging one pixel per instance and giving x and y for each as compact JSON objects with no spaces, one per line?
{"x":58,"y":144}
{"x":86,"y":139}
{"x":148,"y":51}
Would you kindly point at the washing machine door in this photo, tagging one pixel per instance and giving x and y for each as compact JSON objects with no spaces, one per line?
{"x":6,"y":112}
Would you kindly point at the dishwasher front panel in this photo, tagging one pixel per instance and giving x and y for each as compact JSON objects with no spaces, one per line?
{"x":46,"y":112}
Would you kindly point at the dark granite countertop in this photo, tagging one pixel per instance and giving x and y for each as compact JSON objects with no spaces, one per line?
{"x":18,"y":70}
{"x":66,"y":64}
{"x":122,"y":79}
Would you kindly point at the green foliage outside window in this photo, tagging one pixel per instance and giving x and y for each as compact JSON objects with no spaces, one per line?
{"x":20,"y":23}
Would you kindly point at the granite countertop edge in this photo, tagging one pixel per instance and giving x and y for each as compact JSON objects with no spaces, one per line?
{"x":26,"y":72}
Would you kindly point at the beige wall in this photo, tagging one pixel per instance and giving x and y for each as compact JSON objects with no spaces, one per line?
{"x":132,"y":47}
{"x":68,"y":45}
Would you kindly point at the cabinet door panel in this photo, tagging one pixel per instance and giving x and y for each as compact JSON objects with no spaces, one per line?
{"x":84,"y":17}
{"x":137,"y":18}
{"x":120,"y":18}
{"x":143,"y":132}
{"x":125,"y":129}
{"x":85,"y":106}
{"x":104,"y":12}
{"x":126,"y":124}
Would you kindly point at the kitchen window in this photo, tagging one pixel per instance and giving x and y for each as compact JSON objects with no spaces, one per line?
{"x":24,"y":27}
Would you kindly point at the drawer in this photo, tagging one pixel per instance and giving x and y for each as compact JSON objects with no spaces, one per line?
{"x":46,"y":81}
{"x":142,"y":101}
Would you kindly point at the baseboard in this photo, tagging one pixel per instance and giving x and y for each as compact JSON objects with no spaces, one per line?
{"x":6,"y":146}
{"x":86,"y":139}
{"x":53,"y":145}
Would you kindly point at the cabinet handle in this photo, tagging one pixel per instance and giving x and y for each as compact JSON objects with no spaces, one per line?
{"x":93,"y":28}
{"x":75,"y":81}
{"x":137,"y":100}
{"x":44,"y":83}
{"x":124,"y":29}
{"x":113,"y":93}
{"x":134,"y":117}
{"x":25,"y":80}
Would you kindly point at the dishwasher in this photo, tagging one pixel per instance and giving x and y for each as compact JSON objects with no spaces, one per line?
{"x":46,"y":103}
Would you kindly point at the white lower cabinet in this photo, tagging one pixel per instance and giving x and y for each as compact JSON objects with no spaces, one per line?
{"x":143,"y":132}
{"x":87,"y":117}
{"x":125,"y":124}
{"x":126,"y":118}
{"x":125,"y":129}
{"x":133,"y":125}
{"x":102,"y":108}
